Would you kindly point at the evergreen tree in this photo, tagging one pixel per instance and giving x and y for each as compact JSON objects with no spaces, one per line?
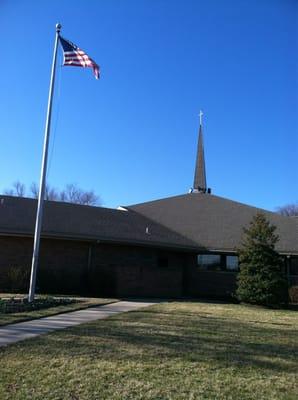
{"x":261,"y":279}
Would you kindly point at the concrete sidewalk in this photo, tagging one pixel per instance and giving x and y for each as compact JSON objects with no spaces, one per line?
{"x":25,"y":330}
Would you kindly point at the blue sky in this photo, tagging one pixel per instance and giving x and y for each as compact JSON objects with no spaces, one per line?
{"x":132,"y":136}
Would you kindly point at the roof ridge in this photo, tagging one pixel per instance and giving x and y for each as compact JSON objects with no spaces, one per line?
{"x":203,"y":194}
{"x":56,"y":202}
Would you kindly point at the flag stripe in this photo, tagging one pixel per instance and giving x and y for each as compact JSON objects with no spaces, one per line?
{"x":75,"y":57}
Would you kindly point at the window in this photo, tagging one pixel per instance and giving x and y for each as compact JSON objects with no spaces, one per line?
{"x":211,"y":262}
{"x":232,"y":263}
{"x":162,"y":262}
{"x":218,"y":262}
{"x":294,"y":266}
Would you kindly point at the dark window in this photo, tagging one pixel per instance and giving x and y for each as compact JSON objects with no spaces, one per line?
{"x":218,"y":262}
{"x":294,"y":266}
{"x":162,"y":262}
{"x":232,"y":263}
{"x":211,"y":262}
{"x":147,"y":256}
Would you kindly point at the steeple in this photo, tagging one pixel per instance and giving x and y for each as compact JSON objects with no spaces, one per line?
{"x":200,"y":183}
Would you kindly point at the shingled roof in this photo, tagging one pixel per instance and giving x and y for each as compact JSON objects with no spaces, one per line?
{"x":214,"y":222}
{"x":72,"y":221}
{"x":194,"y":221}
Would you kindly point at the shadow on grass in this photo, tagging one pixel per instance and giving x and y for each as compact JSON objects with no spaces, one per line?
{"x":156,"y":336}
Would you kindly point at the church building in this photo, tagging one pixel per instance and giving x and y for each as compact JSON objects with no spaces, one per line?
{"x":181,"y":246}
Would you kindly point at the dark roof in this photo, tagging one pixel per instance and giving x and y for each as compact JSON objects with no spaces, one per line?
{"x":191,"y":221}
{"x":214,"y":222}
{"x":17,"y":216}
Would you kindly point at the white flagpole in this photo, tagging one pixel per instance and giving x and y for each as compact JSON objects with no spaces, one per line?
{"x":42,"y":185}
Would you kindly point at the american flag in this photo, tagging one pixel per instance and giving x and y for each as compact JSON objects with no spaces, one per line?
{"x":76,"y":57}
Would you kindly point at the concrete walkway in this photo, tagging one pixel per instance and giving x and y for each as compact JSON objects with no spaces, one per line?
{"x":25,"y":330}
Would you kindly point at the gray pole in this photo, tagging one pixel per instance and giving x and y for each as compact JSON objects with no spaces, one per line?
{"x":42,"y":184}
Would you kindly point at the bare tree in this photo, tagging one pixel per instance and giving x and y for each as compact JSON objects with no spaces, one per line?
{"x":70,"y":194}
{"x":288,"y":210}
{"x":18,"y":190}
{"x":73,"y":194}
{"x":51,"y":193}
{"x":89,"y":198}
{"x":34,"y":190}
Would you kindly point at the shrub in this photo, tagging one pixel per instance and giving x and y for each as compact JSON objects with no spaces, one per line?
{"x":15,"y":278}
{"x":261,"y":279}
{"x":293,"y":294}
{"x":14,"y":305}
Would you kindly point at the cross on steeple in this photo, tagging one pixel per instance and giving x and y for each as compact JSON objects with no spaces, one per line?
{"x":201,"y":115}
{"x":200,"y":182}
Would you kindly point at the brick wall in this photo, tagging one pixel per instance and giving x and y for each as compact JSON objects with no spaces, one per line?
{"x":208,"y":284}
{"x":98,"y":269}
{"x":136,"y":271}
{"x":62,"y":264}
{"x":112,"y":270}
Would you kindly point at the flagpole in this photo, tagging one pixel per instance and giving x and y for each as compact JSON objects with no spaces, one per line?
{"x":42,"y":184}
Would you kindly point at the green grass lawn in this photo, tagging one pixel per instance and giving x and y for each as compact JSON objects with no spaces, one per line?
{"x":178,"y":350}
{"x":83,"y":302}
